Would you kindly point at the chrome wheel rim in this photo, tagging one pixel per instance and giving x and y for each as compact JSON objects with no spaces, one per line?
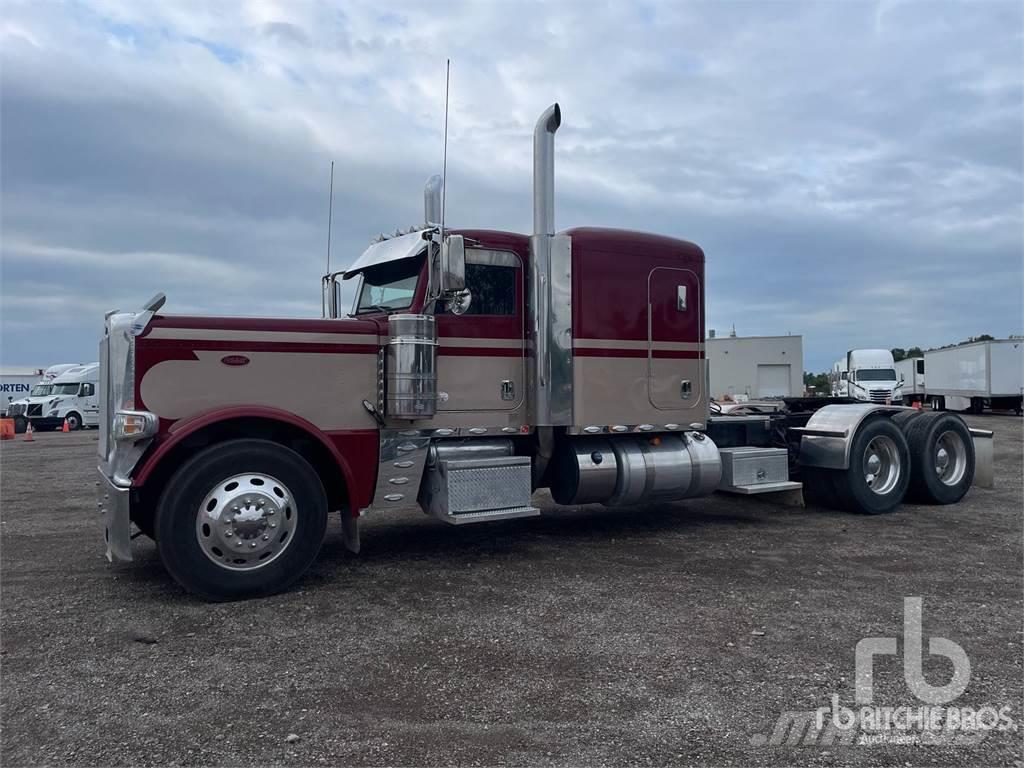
{"x":950,"y":458}
{"x":246,"y":521}
{"x":881,"y":465}
{"x":72,"y":422}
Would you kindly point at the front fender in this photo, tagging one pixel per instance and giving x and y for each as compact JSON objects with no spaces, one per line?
{"x":181,"y":430}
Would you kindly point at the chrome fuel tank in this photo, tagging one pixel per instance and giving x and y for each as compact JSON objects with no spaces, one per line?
{"x":631,"y":469}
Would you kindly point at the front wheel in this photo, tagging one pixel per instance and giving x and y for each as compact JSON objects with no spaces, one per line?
{"x":20,"y":425}
{"x":240,"y":519}
{"x":879,"y":472}
{"x":74,"y":421}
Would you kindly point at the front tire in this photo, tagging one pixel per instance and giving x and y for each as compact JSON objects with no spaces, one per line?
{"x":20,"y":425}
{"x":879,"y":472}
{"x":74,"y":421}
{"x":241,"y":519}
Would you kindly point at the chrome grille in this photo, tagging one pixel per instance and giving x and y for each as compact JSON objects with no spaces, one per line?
{"x":878,"y":395}
{"x":17,"y":409}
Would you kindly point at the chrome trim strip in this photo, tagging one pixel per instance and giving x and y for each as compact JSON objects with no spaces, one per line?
{"x":663,"y":346}
{"x":296,"y":337}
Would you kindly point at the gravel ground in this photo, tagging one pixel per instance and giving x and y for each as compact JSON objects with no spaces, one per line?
{"x":671,"y":633}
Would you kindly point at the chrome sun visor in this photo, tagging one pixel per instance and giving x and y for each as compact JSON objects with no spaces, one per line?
{"x":393,"y":249}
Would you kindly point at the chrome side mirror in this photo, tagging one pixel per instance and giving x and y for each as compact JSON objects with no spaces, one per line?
{"x":452,"y":268}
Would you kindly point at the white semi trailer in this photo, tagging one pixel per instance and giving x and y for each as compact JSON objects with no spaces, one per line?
{"x":975,"y":376}
{"x":910,"y":373}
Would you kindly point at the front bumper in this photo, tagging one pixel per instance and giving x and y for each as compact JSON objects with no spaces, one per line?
{"x":115,"y":516}
{"x":46,"y":422}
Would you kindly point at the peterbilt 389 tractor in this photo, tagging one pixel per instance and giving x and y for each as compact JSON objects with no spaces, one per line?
{"x":474,"y":368}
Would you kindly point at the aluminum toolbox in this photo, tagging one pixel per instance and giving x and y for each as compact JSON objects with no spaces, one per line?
{"x":470,"y":490}
{"x":747,"y":466}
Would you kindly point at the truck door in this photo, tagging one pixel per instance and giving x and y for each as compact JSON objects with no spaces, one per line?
{"x":480,"y":364}
{"x":675,"y":360}
{"x":90,"y":404}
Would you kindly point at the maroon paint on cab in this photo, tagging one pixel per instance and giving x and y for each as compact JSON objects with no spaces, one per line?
{"x":610,"y":268}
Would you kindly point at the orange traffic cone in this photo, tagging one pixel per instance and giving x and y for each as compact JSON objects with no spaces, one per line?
{"x":28,"y":433}
{"x":66,"y":428}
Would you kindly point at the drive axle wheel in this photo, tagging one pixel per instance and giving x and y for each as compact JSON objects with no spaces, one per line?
{"x":241,"y":519}
{"x":942,"y":457}
{"x":879,"y":472}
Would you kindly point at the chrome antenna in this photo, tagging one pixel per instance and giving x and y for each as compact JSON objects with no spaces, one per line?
{"x":444,"y":157}
{"x":330,"y":218}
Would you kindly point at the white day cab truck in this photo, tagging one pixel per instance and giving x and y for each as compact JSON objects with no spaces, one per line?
{"x":974,"y":376}
{"x":73,"y":398}
{"x":910,"y":373}
{"x":21,"y":411}
{"x":871,"y":377}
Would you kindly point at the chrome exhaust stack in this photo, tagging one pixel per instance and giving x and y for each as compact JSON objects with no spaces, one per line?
{"x":544,"y":170}
{"x":432,"y":201}
{"x":550,"y":298}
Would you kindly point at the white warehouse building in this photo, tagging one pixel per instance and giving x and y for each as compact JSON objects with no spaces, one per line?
{"x":755,"y":366}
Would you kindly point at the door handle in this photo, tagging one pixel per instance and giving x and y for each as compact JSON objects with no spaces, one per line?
{"x":685,"y":389}
{"x":508,"y":390}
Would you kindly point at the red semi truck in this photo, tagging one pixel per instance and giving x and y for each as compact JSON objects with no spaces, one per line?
{"x":474,"y":368}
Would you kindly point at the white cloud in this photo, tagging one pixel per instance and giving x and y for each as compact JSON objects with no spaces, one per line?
{"x":817,"y":151}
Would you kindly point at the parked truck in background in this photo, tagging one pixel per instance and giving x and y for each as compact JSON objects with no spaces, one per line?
{"x":72,"y":399}
{"x":871,"y":376}
{"x":474,"y":367}
{"x":910,"y":374}
{"x":975,"y":376}
{"x":20,"y":410}
{"x":15,"y":384}
{"x":837,"y":378}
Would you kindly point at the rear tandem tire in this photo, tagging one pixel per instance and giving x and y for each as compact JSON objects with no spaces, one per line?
{"x":941,"y":457}
{"x":879,"y":472}
{"x":260,"y":494}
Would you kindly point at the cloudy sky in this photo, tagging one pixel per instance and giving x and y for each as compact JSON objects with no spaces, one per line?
{"x":853,"y":170}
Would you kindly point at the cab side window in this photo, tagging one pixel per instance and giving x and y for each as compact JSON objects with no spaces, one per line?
{"x":493,"y":288}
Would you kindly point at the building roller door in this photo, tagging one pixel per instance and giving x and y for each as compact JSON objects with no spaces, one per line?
{"x":773,"y":381}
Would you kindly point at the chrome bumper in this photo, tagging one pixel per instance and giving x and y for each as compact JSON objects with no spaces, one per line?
{"x":115,"y":518}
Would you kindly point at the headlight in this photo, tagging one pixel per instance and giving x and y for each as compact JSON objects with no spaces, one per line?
{"x":134,"y":425}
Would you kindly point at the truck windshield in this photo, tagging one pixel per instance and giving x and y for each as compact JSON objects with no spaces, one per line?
{"x":65,"y":389}
{"x":876,"y":374}
{"x":389,"y":286}
{"x":40,"y":390}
